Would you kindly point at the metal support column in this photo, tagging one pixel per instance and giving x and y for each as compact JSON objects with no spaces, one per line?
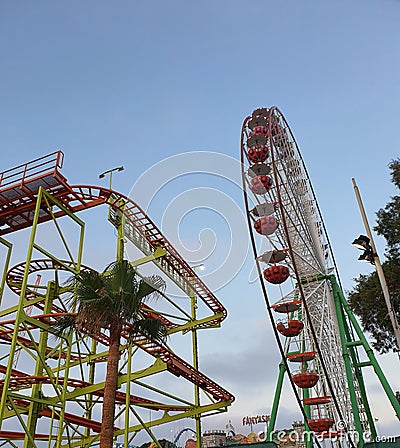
{"x":275,"y":405}
{"x":196,"y":366}
{"x":372,"y":359}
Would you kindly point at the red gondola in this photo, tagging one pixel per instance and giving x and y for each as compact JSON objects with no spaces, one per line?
{"x":276,"y":274}
{"x":320,"y":424}
{"x":293,"y":328}
{"x":301,"y":357}
{"x":260,"y":129}
{"x":266,"y":225}
{"x":317,"y":400}
{"x":287,"y":307}
{"x":260,"y":184}
{"x":304,"y":380}
{"x":258,"y":153}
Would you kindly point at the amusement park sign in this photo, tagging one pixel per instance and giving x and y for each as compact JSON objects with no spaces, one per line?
{"x":254,"y":420}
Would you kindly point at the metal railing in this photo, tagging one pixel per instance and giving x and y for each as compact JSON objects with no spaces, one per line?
{"x":22,"y":174}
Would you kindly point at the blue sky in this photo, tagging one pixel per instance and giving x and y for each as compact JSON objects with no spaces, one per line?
{"x":133,"y":83}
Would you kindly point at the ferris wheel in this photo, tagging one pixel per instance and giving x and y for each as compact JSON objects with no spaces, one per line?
{"x":316,"y":332}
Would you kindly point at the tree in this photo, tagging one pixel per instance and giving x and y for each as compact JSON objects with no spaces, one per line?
{"x":388,"y":219}
{"x":112,"y":300}
{"x":367,"y":302}
{"x":366,"y":299}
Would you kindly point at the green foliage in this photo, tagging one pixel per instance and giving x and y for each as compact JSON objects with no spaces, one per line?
{"x":366,"y":299}
{"x":394,"y":166}
{"x":388,"y":219}
{"x":367,"y":302}
{"x":112,"y":297}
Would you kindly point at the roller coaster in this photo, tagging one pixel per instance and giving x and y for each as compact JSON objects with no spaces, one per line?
{"x":180,"y":433}
{"x":51,"y":390}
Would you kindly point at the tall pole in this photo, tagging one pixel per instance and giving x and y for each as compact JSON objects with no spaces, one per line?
{"x":378,"y":268}
{"x":197,"y":417}
{"x":120,"y":223}
{"x":110,"y":172}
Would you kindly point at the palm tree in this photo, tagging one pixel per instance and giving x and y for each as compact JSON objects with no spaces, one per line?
{"x":112,"y":300}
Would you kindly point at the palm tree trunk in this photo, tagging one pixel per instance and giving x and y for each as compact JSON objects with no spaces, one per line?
{"x":110,"y":388}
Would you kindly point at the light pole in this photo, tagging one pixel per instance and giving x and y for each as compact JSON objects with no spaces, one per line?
{"x":118,"y":219}
{"x":370,"y":254}
{"x":110,"y":172}
{"x":193,"y":302}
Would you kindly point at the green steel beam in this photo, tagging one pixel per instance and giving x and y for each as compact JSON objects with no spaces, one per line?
{"x":364,"y":364}
{"x":277,"y":396}
{"x":195,"y":360}
{"x":158,"y":253}
{"x":89,"y":397}
{"x":381,"y":376}
{"x":20,"y":315}
{"x":360,"y":380}
{"x":346,"y":358}
{"x":23,"y":320}
{"x":157,"y":367}
{"x":14,"y":309}
{"x":120,"y":231}
{"x":36,"y":395}
{"x":166,"y":418}
{"x":127,"y":396}
{"x":189,"y":326}
{"x":353,"y":343}
{"x":43,"y":195}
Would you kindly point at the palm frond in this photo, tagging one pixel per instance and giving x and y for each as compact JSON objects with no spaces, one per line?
{"x":64,"y":326}
{"x":122,"y":277}
{"x":89,"y":285}
{"x":149,"y":328}
{"x":146,"y":289}
{"x":150,"y":287}
{"x":116,"y":294}
{"x":77,"y":280}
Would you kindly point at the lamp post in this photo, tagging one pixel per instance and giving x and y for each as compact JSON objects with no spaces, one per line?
{"x":118,"y":218}
{"x":110,"y":172}
{"x":193,"y":302}
{"x":370,"y":254}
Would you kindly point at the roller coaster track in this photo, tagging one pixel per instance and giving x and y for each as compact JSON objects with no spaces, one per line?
{"x":138,"y":227}
{"x":19,"y":192}
{"x":175,"y":364}
{"x":176,"y":439}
